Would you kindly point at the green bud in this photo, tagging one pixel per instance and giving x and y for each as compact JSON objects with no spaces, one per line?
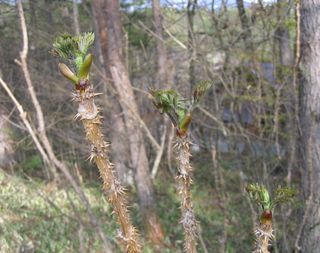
{"x":184,"y":124}
{"x":68,"y":73}
{"x":85,"y":67}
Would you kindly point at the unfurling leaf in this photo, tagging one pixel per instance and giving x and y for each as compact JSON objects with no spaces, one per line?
{"x":283,"y":195}
{"x":260,"y":195}
{"x":178,"y":108}
{"x":74,"y":49}
{"x":166,"y":100}
{"x":66,"y":47}
{"x":84,"y":41}
{"x":171,"y":103}
{"x":200,"y":90}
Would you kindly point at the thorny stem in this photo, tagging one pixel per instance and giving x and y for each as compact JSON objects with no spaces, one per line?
{"x":89,"y":114}
{"x":184,"y":179}
{"x":264,"y":235}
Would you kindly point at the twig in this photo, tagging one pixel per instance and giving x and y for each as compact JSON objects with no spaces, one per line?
{"x":23,"y":116}
{"x":211,"y":116}
{"x":160,"y":152}
{"x":24,"y":66}
{"x":175,"y":39}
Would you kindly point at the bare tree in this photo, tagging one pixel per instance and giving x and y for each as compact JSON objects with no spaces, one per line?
{"x":122,"y":84}
{"x":164,"y":75}
{"x":246,"y":29}
{"x":310,"y":124}
{"x":191,"y":11}
{"x":119,"y":148}
{"x":6,"y":142}
{"x":34,"y":99}
{"x":76,"y":17}
{"x":283,"y":36}
{"x":164,"y":78}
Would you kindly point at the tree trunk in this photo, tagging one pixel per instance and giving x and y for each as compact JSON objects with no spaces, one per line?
{"x":310,"y":121}
{"x":33,"y":5}
{"x":191,"y":7}
{"x":164,"y":75}
{"x":6,"y":143}
{"x":286,"y":62}
{"x":246,"y":30}
{"x":283,"y":36}
{"x":285,"y":51}
{"x":119,"y":148}
{"x":129,"y":106}
{"x":75,"y":14}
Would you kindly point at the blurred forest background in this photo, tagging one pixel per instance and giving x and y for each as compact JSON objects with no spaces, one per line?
{"x":255,"y":124}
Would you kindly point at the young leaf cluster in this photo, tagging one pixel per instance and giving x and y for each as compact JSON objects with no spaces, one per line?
{"x":200,"y":90}
{"x":74,"y":49}
{"x":179,"y":109}
{"x":261,"y":196}
{"x":171,"y":103}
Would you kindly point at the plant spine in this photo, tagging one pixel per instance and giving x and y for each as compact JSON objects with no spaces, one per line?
{"x":89,"y":114}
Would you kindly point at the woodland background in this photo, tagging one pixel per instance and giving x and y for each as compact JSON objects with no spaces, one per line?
{"x":253,"y":125}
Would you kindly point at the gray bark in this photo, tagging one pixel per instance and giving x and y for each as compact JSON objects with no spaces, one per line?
{"x":191,"y":8}
{"x":128,"y":103}
{"x":6,"y":143}
{"x":310,"y":122}
{"x":283,"y":36}
{"x":285,"y":50}
{"x":76,"y":17}
{"x":119,"y":143}
{"x":164,"y":75}
{"x":246,"y":31}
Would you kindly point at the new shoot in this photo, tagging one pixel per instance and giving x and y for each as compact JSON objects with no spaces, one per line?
{"x":180,"y":110}
{"x":264,"y":231}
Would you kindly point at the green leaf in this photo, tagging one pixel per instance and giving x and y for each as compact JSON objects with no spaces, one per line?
{"x":178,"y":108}
{"x":283,"y":195}
{"x":73,"y":48}
{"x":260,"y":195}
{"x":171,"y":103}
{"x":200,"y":89}
{"x":65,"y":46}
{"x":84,"y":41}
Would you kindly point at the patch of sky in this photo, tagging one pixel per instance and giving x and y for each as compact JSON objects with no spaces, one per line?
{"x":132,"y":5}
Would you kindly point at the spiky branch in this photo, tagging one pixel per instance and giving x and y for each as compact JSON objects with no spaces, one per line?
{"x":264,"y":230}
{"x":179,"y":110}
{"x":75,"y":49}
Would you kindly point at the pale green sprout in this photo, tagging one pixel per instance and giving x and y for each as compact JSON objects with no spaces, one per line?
{"x":260,"y":195}
{"x":74,"y":49}
{"x":179,"y":109}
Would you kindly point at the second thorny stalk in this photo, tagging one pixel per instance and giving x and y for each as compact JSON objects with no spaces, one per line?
{"x":179,"y":110}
